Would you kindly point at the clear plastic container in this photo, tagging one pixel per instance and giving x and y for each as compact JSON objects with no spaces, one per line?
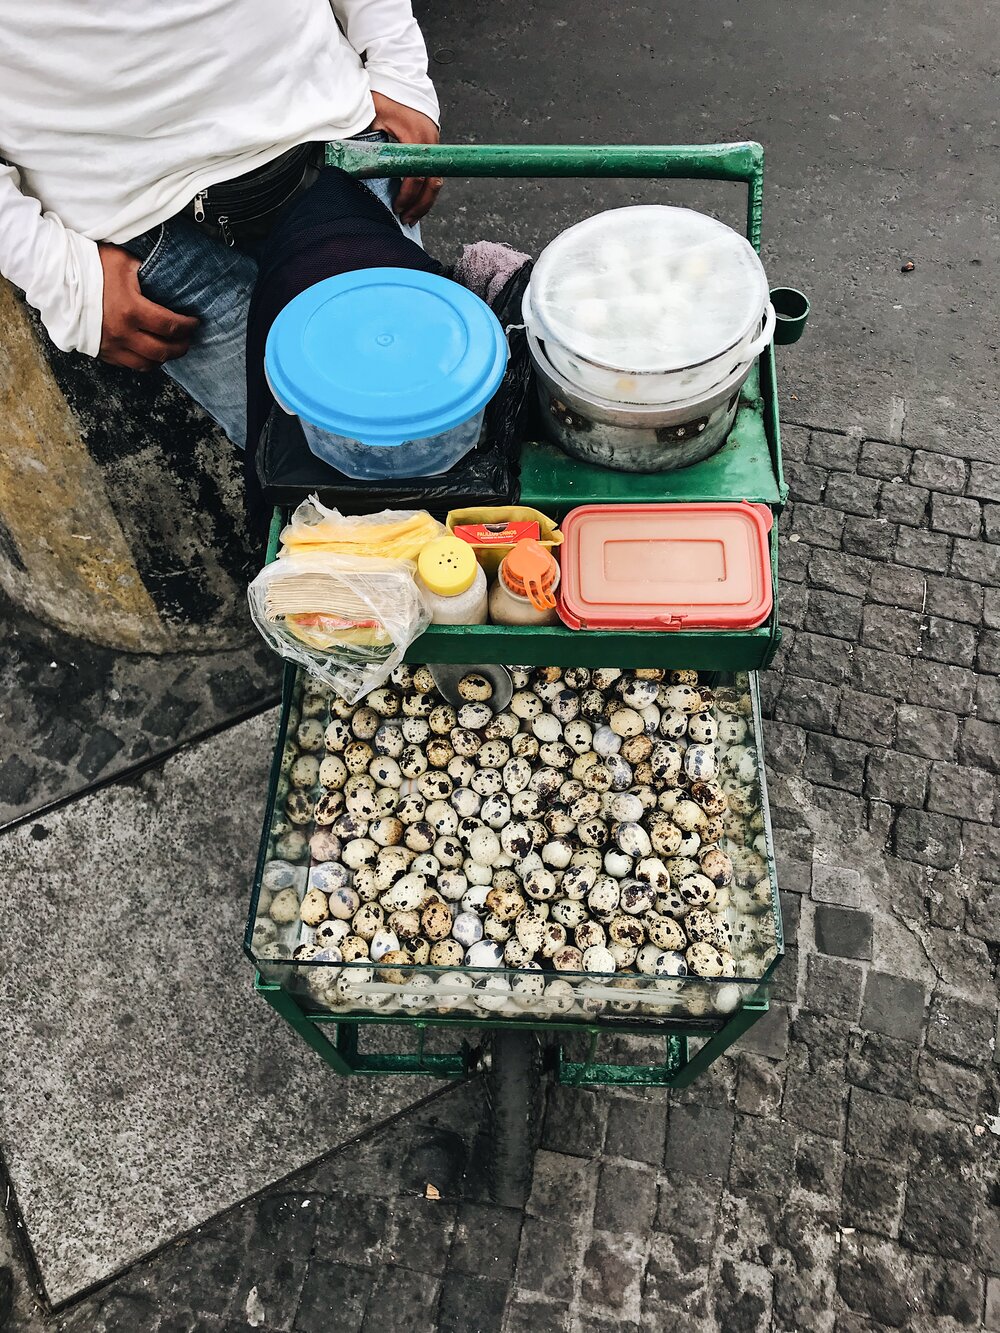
{"x":428,"y":457}
{"x":388,"y":369}
{"x":649,"y":304}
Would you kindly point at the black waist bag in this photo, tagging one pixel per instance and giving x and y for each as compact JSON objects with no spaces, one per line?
{"x":256,"y":194}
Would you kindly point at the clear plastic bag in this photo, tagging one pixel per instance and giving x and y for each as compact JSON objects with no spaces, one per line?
{"x":348,"y":619}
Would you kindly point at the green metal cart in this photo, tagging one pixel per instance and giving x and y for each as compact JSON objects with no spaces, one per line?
{"x":697,"y":1027}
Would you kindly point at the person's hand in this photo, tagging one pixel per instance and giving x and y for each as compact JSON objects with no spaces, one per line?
{"x":137,"y":333}
{"x":417,"y":193}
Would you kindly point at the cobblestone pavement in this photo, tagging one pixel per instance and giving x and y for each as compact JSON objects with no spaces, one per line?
{"x":837,"y":1173}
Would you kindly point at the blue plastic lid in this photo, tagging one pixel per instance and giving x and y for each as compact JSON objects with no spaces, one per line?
{"x":385,"y":355}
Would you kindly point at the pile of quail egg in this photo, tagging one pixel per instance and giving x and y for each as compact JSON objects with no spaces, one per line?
{"x":581,"y":851}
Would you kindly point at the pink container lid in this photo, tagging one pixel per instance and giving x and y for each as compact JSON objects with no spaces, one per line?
{"x":666,"y":566}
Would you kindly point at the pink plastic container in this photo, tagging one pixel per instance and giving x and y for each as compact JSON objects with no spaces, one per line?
{"x":668,"y":566}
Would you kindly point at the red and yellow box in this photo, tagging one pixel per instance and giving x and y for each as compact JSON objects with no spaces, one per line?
{"x":495,"y":534}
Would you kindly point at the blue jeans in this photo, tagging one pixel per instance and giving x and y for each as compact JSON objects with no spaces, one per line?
{"x":192,"y":272}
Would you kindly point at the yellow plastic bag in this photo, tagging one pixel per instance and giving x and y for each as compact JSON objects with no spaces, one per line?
{"x":393,"y":534}
{"x":489,"y":557}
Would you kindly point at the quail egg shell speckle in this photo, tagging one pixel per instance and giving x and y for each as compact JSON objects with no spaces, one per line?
{"x":437,"y":920}
{"x":389,"y":740}
{"x":452,"y":884}
{"x":265,"y":931}
{"x":560,"y":996}
{"x":636,"y":897}
{"x":314,"y":909}
{"x":569,"y":912}
{"x":699,"y":762}
{"x":382,"y":942}
{"x":484,"y":846}
{"x":428,"y":865}
{"x":557,"y":853}
{"x":704,"y":960}
{"x":442,"y":816}
{"x":304,"y":773}
{"x":697,"y":890}
{"x":473,"y":717}
{"x":539,"y":883}
{"x":466,"y":803}
{"x":528,"y":987}
{"x":324,"y":844}
{"x":475,"y":688}
{"x":484,"y":953}
{"x":467,"y":929}
{"x":633,"y":840}
{"x":449,"y":852}
{"x":331,"y":933}
{"x":487,"y":782}
{"x":387,"y":832}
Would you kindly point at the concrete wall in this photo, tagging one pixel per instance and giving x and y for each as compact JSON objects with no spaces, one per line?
{"x":121,"y":505}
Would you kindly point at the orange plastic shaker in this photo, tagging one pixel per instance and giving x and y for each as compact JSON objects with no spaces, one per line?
{"x":528,"y":570}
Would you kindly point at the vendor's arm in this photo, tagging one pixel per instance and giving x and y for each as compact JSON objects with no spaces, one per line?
{"x":87,"y":294}
{"x":388,"y":36}
{"x":58,"y":270}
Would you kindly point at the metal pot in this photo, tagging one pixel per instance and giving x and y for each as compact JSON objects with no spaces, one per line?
{"x":630,"y":437}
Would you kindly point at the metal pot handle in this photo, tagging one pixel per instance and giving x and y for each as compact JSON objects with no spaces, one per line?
{"x":766,"y":334}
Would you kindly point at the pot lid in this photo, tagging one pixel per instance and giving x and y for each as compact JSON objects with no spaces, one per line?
{"x":653,"y":288}
{"x":385,"y":355}
{"x":666,"y":566}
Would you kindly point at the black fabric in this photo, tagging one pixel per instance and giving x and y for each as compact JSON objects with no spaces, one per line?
{"x":508,"y":416}
{"x":337,"y":226}
{"x":289,"y":471}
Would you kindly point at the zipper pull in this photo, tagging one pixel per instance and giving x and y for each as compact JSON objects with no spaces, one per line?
{"x":199,"y":206}
{"x":227,"y":235}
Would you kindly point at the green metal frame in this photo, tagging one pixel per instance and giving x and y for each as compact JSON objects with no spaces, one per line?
{"x":680,"y":1066}
{"x":740,"y":162}
{"x":748,"y":467}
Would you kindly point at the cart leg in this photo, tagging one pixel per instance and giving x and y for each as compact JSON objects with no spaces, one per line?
{"x":311,"y":1033}
{"x":515,"y":1106}
{"x":718,"y":1044}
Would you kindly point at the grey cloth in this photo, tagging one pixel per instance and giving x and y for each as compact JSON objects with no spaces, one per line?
{"x":486,"y":267}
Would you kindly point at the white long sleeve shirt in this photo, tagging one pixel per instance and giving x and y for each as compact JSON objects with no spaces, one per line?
{"x":114,"y":114}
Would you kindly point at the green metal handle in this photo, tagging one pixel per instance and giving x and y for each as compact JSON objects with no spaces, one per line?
{"x":742,"y":162}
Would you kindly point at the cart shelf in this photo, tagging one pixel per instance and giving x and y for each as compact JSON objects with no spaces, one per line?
{"x":555,"y":645}
{"x":747,"y":467}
